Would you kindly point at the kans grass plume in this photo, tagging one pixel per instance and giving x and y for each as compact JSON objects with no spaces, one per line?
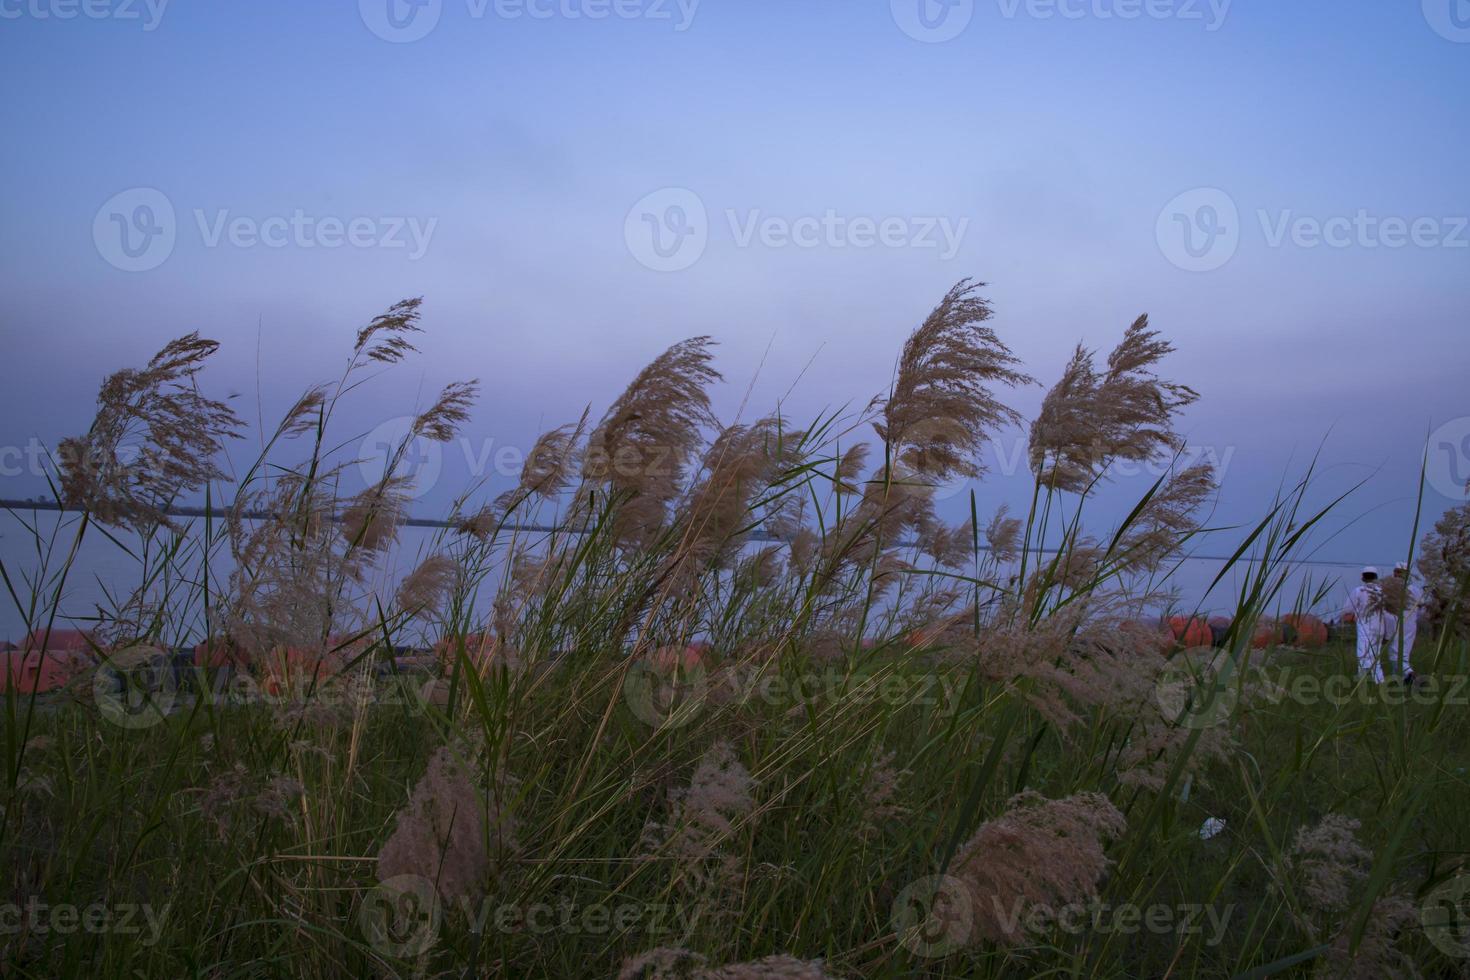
{"x":704,"y":815}
{"x":452,"y":832}
{"x":1091,"y":418}
{"x":1328,"y":867}
{"x":643,"y":447}
{"x":154,"y":437}
{"x":1444,"y":561}
{"x":942,"y":403}
{"x":1039,"y":856}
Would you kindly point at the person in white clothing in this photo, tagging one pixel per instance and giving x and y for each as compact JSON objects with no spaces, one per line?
{"x":1363,"y":606}
{"x":1402,"y":645}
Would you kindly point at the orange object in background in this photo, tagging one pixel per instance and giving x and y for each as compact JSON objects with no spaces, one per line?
{"x":1310,"y":631}
{"x":218,"y":653}
{"x":670,"y":659}
{"x":292,"y":667}
{"x":1191,"y":631}
{"x":1268,"y":633}
{"x":31,"y":672}
{"x":59,"y":641}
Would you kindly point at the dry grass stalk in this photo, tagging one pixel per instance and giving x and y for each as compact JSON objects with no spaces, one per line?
{"x":546,"y":471}
{"x":1039,"y":854}
{"x":1125,"y":413}
{"x":948,"y":547}
{"x":1060,"y":668}
{"x":942,"y":403}
{"x":1003,"y":536}
{"x":291,"y":569}
{"x":451,"y":832}
{"x":1328,"y":867}
{"x":742,"y":461}
{"x":385,"y":339}
{"x":1168,"y":518}
{"x":1444,"y":562}
{"x":1327,"y":863}
{"x":1389,"y":597}
{"x":154,"y":437}
{"x":451,"y":410}
{"x":704,"y":815}
{"x":644,"y":444}
{"x":850,"y":467}
{"x":425,"y":589}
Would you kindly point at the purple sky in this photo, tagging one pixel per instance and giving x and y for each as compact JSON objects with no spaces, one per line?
{"x":575,"y":184}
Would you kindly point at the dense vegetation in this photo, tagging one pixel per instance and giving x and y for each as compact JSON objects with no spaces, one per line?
{"x":744,"y":705}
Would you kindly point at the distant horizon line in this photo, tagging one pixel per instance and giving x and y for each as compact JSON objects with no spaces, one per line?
{"x":55,"y":506}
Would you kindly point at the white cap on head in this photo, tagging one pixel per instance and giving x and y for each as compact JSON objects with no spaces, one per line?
{"x":1370,"y":569}
{"x":1402,"y":566}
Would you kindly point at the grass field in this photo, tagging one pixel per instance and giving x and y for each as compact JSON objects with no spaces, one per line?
{"x":254,"y":841}
{"x":643,"y":745}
